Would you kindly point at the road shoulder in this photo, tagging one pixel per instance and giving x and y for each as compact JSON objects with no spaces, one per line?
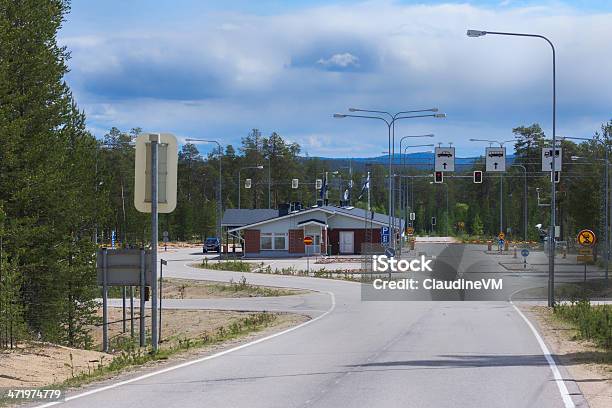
{"x":581,"y":359}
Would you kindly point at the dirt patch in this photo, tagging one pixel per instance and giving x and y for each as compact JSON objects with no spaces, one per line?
{"x":38,"y":364}
{"x":587,"y":363}
{"x":189,"y":289}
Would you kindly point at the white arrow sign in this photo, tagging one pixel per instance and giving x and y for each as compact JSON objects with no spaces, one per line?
{"x":496,"y":159}
{"x":445,"y":159}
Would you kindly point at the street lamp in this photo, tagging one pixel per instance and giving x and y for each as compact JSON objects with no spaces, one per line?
{"x":260,"y":167}
{"x":220,"y":198}
{"x":391,"y":137}
{"x":553,"y":189}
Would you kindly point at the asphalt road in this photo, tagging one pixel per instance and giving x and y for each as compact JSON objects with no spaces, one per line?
{"x":358,"y":354}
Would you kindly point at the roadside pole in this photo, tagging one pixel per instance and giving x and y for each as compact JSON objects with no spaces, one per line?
{"x":142,"y":298}
{"x":124,"y":317}
{"x":132,"y":312}
{"x":162,"y":262}
{"x":154,"y":139}
{"x":104,"y":302}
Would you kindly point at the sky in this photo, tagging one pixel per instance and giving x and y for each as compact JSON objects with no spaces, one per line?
{"x":217,"y":69}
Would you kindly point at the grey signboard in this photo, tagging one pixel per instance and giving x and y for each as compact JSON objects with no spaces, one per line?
{"x":123,"y":267}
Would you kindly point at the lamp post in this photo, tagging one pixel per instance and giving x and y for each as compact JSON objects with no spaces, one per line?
{"x":260,"y":167}
{"x":220,"y":198}
{"x":501,"y":182}
{"x":525,"y":208}
{"x":391,"y":126}
{"x":553,"y":189}
{"x":404,"y":162}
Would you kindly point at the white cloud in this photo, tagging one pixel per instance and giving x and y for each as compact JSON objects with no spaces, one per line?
{"x":340,"y":60}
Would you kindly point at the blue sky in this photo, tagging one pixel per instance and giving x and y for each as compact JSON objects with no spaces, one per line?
{"x":217,"y":69}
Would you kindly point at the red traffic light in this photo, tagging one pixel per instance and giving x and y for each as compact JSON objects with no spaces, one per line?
{"x":438,"y":177}
{"x":478,"y":177}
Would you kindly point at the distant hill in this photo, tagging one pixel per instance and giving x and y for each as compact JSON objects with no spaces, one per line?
{"x":418,"y":160}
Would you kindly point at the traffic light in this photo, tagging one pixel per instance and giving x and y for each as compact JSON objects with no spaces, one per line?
{"x":438,"y":177}
{"x":557,"y":176}
{"x":478,"y":177}
{"x":433,"y":220}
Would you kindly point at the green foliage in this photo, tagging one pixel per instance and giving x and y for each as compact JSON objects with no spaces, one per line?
{"x":477,"y":227}
{"x":594,"y":322}
{"x":235,"y":266}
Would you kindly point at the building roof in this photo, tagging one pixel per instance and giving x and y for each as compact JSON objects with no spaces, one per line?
{"x":353,"y":212}
{"x":238,"y":217}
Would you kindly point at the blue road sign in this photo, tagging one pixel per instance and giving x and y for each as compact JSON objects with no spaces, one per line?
{"x":525,"y":252}
{"x":384,"y":235}
{"x":390,"y":252}
{"x":113,"y":239}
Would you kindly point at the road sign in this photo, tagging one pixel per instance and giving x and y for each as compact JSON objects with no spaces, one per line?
{"x":525,"y":252}
{"x":547,"y":158}
{"x":318,"y":184}
{"x":167,"y":166}
{"x":122,"y":267}
{"x":584,"y":258}
{"x":496,"y":159}
{"x":410,"y":230}
{"x":308,"y":240}
{"x":390,"y":252}
{"x":113,"y":237}
{"x":444,"y":159}
{"x":412,"y":216}
{"x":248,"y":183}
{"x":585,"y":251}
{"x":501,"y":235}
{"x":295,"y":183}
{"x":586,"y":237}
{"x":384,"y":235}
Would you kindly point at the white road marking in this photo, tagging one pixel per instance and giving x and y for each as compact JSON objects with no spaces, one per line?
{"x":192,"y":362}
{"x":567,"y":399}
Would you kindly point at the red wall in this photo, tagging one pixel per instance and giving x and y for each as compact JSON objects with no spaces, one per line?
{"x":251,"y":241}
{"x":296,"y":241}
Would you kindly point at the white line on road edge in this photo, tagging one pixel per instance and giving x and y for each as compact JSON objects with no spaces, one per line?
{"x":567,"y":399}
{"x":192,"y":362}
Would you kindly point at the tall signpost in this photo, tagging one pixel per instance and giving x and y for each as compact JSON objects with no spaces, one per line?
{"x":496,"y":162}
{"x":155,"y":191}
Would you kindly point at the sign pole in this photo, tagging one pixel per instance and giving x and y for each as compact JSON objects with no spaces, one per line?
{"x":162,"y":262}
{"x":104,"y":302}
{"x":123,"y":295}
{"x":131,"y":312}
{"x":142,"y":297}
{"x":154,"y":139}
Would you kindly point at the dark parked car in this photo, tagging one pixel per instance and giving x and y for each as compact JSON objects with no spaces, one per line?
{"x":212,"y":245}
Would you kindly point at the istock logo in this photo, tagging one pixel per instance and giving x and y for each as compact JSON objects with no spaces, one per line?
{"x":382,"y":263}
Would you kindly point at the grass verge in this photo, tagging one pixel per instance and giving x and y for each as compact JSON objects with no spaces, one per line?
{"x":134,"y":356}
{"x":592,"y":322}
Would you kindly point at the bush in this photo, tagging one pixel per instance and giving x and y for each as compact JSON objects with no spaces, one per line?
{"x":592,"y":321}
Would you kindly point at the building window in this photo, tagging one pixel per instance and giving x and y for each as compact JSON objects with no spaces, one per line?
{"x":273,"y":241}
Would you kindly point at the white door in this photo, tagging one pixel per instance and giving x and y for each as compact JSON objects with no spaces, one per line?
{"x":347,"y":242}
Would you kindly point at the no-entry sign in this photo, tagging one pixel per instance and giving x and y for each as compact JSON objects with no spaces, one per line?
{"x":308,"y":240}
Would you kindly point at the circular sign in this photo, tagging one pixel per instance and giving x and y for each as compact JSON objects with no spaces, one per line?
{"x":525,"y":252}
{"x":308,"y":240}
{"x":390,"y":252}
{"x":410,"y":230}
{"x":501,"y":235}
{"x":586,"y":238}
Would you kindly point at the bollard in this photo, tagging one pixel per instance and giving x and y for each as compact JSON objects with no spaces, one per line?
{"x":489,"y":245}
{"x":412,"y":244}
{"x":564,"y":252}
{"x":515,"y":252}
{"x":506,"y":246}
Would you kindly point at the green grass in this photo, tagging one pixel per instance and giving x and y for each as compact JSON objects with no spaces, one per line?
{"x":234,"y":266}
{"x":133,"y":356}
{"x":593,"y":322}
{"x":243,"y":287}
